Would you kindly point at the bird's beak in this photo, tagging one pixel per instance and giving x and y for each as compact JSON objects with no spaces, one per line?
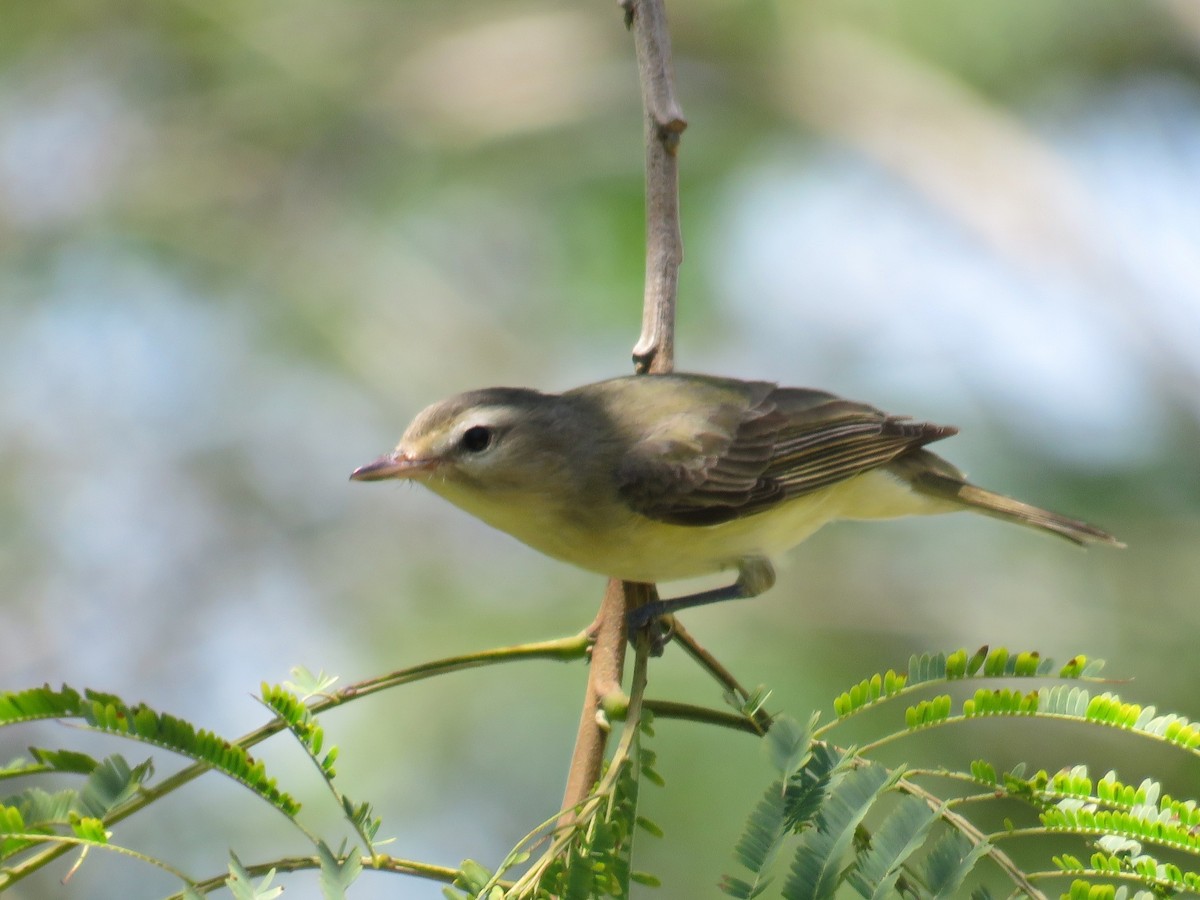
{"x":393,"y":465}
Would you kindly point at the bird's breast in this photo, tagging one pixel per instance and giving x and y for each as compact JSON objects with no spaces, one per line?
{"x":613,"y":540}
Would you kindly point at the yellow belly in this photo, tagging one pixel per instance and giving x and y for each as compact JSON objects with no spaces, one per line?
{"x":634,"y":548}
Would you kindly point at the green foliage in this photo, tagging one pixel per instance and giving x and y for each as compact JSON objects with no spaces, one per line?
{"x":597,"y":860}
{"x":242,"y":886}
{"x":949,"y":862}
{"x":34,"y":813}
{"x":928,"y":668}
{"x":591,"y":855}
{"x":112,"y":788}
{"x":848,"y":823}
{"x":869,"y":691}
{"x":884,"y":832}
{"x":300,"y":721}
{"x":338,"y":871}
{"x":820,"y":863}
{"x":108,"y":713}
{"x":805,"y":771}
{"x":898,"y":837}
{"x":109,"y":784}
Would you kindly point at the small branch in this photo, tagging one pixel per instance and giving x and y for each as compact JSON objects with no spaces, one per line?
{"x":304,"y":863}
{"x":663,"y":124}
{"x":670,"y":709}
{"x":604,"y":680}
{"x":761,"y":721}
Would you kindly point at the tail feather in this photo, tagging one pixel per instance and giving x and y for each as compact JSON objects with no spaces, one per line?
{"x":932,"y":475}
{"x":1011,"y":510}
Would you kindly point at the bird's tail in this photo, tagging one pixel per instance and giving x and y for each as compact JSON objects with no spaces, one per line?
{"x":932,"y":475}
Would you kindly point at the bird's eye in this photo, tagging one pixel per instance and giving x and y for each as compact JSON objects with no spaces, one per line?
{"x":477,"y":438}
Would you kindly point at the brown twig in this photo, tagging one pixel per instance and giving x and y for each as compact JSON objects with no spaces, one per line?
{"x":654,"y":352}
{"x":663,"y":124}
{"x":759,"y":719}
{"x":604,"y":680}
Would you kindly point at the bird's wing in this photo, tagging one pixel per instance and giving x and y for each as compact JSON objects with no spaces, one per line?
{"x":746,"y":458}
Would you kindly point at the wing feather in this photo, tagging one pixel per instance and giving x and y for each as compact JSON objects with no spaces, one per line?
{"x":779,"y":444}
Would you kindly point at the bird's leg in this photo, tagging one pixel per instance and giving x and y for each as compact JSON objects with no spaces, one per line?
{"x":755,"y":575}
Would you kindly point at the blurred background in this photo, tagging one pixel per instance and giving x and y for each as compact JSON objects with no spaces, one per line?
{"x":242,"y":244}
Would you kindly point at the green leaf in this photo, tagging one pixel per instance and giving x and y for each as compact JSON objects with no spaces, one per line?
{"x":737,"y":887}
{"x":472,"y":876}
{"x":37,"y":811}
{"x":91,"y":829}
{"x":648,"y":826}
{"x":305,"y":684}
{"x":820,"y":862}
{"x":977,"y":660}
{"x":996,"y":662}
{"x":806,"y":792}
{"x":789,"y":744}
{"x":783,"y":809}
{"x":869,"y":690}
{"x":759,"y":843}
{"x":949,"y":862}
{"x":899,"y":836}
{"x":926,"y":667}
{"x":983,"y":771}
{"x":39,"y":703}
{"x":337,"y":875}
{"x":107,"y":712}
{"x":581,"y":878}
{"x":242,"y":886}
{"x":64,"y":760}
{"x":111,"y":783}
{"x":928,"y":712}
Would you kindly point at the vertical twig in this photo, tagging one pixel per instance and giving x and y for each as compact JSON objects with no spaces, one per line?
{"x":654,"y":352}
{"x":663,"y":124}
{"x":604,"y":678}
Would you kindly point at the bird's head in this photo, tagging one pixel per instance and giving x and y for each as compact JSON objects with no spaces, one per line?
{"x":495,"y":440}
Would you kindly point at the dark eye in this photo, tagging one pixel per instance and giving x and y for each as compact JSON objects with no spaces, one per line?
{"x":477,"y":438}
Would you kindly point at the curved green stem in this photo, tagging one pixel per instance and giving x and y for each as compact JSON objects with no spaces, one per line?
{"x":65,"y":843}
{"x":669,"y":709}
{"x":1033,"y":714}
{"x":304,"y":863}
{"x":1122,"y":875}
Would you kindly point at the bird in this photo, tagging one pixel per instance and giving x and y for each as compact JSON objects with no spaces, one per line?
{"x":656,"y":478}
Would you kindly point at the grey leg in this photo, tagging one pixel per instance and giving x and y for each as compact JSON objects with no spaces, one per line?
{"x":755,"y":575}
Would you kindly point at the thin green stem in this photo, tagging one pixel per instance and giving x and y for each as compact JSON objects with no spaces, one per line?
{"x":305,"y":863}
{"x":1033,"y":714}
{"x":65,"y":843}
{"x":669,"y":709}
{"x":1054,"y":874}
{"x":1084,"y":830}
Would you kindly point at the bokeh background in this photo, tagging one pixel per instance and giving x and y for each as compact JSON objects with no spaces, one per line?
{"x":241,"y":244}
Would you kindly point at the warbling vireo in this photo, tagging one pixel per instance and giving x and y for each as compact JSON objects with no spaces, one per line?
{"x":657,"y":477}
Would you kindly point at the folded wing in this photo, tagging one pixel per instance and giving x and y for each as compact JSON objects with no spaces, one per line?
{"x":745,"y":457}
